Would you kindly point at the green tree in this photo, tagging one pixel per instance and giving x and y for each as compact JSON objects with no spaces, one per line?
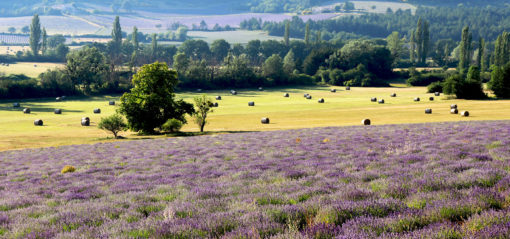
{"x":481,"y":54}
{"x":25,"y":29}
{"x":181,"y":62}
{"x":154,"y":46}
{"x":412,"y":48}
{"x":500,"y":81}
{"x":136,"y":42}
{"x":502,"y":49}
{"x":348,"y":6}
{"x":114,"y":124}
{"x":203,"y":106}
{"x":172,"y":125}
{"x":289,"y":63}
{"x":273,"y":68}
{"x":56,"y":40}
{"x":307,"y":33}
{"x":219,"y":49}
{"x":469,"y":88}
{"x":11,"y":30}
{"x":35,"y":35}
{"x":422,"y":39}
{"x":116,"y":39}
{"x":286,"y":36}
{"x":395,"y":45}
{"x":86,"y":67}
{"x":465,"y":50}
{"x":151,"y":102}
{"x":44,"y":45}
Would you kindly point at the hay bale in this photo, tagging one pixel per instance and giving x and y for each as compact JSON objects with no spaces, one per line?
{"x":381,"y":101}
{"x":63,"y":97}
{"x":437,"y":94}
{"x":394,"y":95}
{"x":233,"y":92}
{"x":333,"y":90}
{"x":112,"y":102}
{"x":261,"y":89}
{"x":218,"y":97}
{"x":454,"y":111}
{"x":265,"y":121}
{"x":97,"y":111}
{"x":251,"y":103}
{"x":199,"y":90}
{"x":373,"y":99}
{"x":428,"y":111}
{"x":431,"y":98}
{"x":348,"y":88}
{"x":453,"y":106}
{"x":365,"y":122}
{"x":308,"y":97}
{"x":215,"y":104}
{"x":58,"y":99}
{"x":464,"y":113}
{"x":286,"y":95}
{"x":38,"y":122}
{"x":58,"y":111}
{"x":321,"y":100}
{"x":85,"y":121}
{"x":417,"y":99}
{"x":26,"y":111}
{"x":35,"y":65}
{"x":16,"y":105}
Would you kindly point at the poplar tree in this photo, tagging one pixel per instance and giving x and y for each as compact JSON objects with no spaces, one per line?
{"x":116,"y":38}
{"x":481,"y":53}
{"x":154,"y":46}
{"x":412,"y":49}
{"x":35,"y":35}
{"x":418,"y":37}
{"x":307,"y":34}
{"x":465,"y":50}
{"x":134,"y":36}
{"x":287,"y":33}
{"x":44,"y":45}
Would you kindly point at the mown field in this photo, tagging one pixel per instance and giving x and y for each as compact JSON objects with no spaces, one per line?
{"x":434,"y":180}
{"x":30,"y":69}
{"x":233,"y":114}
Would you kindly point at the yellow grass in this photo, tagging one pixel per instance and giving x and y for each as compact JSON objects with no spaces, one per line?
{"x":340,"y":109}
{"x":30,"y":69}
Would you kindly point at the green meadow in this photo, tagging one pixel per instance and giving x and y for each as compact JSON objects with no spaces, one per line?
{"x":234,"y":115}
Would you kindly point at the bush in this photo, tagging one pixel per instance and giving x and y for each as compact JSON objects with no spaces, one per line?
{"x":68,"y":169}
{"x":172,"y":125}
{"x":435,"y":87}
{"x":420,"y":79}
{"x":114,"y":123}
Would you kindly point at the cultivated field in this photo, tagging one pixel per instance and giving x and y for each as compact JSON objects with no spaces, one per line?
{"x":436,"y":180}
{"x":30,"y":69}
{"x":233,"y":114}
{"x":232,"y":37}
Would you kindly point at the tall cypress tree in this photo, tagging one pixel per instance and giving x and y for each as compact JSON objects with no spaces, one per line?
{"x":412,"y":49}
{"x":307,"y":34}
{"x":287,"y":33}
{"x":465,"y":50}
{"x":419,"y":39}
{"x":154,"y":46}
{"x":481,"y":54}
{"x":136,"y":43}
{"x":318,"y":37}
{"x":44,"y":45}
{"x":116,"y":38}
{"x":35,"y":35}
{"x":425,"y":42}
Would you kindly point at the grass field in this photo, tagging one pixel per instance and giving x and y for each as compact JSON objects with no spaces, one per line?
{"x":233,"y":114}
{"x":30,"y":69}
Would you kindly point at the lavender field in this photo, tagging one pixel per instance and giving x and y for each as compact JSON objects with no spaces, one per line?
{"x":441,"y":180}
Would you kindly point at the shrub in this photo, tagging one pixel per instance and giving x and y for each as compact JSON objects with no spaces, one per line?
{"x":172,"y":125}
{"x":114,"y":123}
{"x":435,"y":87}
{"x":68,"y":169}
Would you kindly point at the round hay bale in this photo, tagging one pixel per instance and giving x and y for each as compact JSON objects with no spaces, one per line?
{"x":453,"y":106}
{"x":348,"y":88}
{"x":261,"y":89}
{"x":38,"y":122}
{"x":321,"y":100}
{"x":265,"y":121}
{"x":233,"y":92}
{"x":437,"y":94}
{"x":112,"y":102}
{"x":35,"y":65}
{"x":308,"y":97}
{"x":215,"y":104}
{"x":58,"y":99}
{"x":251,"y":103}
{"x":16,"y":105}
{"x":428,"y":111}
{"x":333,"y":90}
{"x":286,"y":95}
{"x":373,"y":99}
{"x":26,"y":111}
{"x":464,"y":113}
{"x":394,"y":95}
{"x":454,"y":111}
{"x":218,"y":97}
{"x":199,"y":90}
{"x":417,"y":99}
{"x":381,"y":101}
{"x":63,"y":97}
{"x":97,"y":111}
{"x":58,"y":111}
{"x":85,"y":121}
{"x":365,"y":122}
{"x":431,"y":98}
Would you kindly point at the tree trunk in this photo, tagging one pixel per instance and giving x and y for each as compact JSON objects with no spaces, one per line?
{"x":202,"y":127}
